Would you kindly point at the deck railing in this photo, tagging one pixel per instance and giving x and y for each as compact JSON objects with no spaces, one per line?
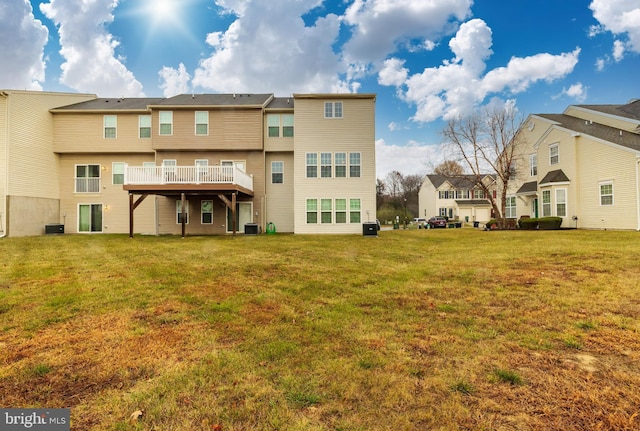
{"x":162,"y":175}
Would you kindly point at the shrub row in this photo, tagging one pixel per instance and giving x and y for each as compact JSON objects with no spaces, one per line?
{"x":544,"y":223}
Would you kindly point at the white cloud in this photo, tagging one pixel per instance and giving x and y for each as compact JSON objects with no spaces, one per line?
{"x":174,"y":81}
{"x":268,"y":48}
{"x":576,"y":91}
{"x":22,"y":41}
{"x":618,"y":50}
{"x":620,"y":17}
{"x":411,"y":158}
{"x":600,"y":64}
{"x":456,"y":87}
{"x":90,"y":63}
{"x":380,"y":25}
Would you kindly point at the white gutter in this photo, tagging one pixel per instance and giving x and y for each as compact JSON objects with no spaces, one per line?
{"x":3,"y":220}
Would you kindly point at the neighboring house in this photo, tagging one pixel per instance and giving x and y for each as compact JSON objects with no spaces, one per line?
{"x":190,"y":164}
{"x":456,"y":197}
{"x":583,"y":166}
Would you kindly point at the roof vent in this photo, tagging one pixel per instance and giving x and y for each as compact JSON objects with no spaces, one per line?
{"x":234,"y":95}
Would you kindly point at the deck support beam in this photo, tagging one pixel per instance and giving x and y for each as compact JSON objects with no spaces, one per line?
{"x":132,"y":206}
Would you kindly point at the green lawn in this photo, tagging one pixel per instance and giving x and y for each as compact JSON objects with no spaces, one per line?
{"x":416,"y":329}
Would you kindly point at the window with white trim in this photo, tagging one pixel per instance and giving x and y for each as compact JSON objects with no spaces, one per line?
{"x":332,"y":109}
{"x":340,"y":165}
{"x":166,"y":122}
{"x":341,"y":211}
{"x":202,"y":123}
{"x":478,"y":194}
{"x":354,"y":211}
{"x":326,"y":211}
{"x":117,"y":172}
{"x":273,"y":125}
{"x":533,"y":165}
{"x":206,"y":212}
{"x":546,"y":203}
{"x":561,"y":202}
{"x":89,"y":218}
{"x":179,"y":212}
{"x":354,"y":165}
{"x":606,"y":193}
{"x":312,"y":211}
{"x":325,"y":165}
{"x":277,"y":172}
{"x":144,"y":126}
{"x":87,"y":179}
{"x":312,"y":165}
{"x":110,"y":126}
{"x":510,"y":207}
{"x":554,"y":154}
{"x":287,"y":125}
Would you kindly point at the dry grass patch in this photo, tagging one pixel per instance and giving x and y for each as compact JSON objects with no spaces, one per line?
{"x":439,"y":329}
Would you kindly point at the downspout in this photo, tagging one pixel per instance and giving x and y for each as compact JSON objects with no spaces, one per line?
{"x":6,"y":161}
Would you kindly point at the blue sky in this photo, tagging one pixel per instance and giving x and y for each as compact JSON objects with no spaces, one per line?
{"x":427,"y":60}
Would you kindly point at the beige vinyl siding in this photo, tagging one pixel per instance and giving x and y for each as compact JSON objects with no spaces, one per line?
{"x":281,"y":143}
{"x":279,"y":197}
{"x":603,"y":163}
{"x":355,"y":132}
{"x":4,"y":173}
{"x":427,"y":197}
{"x":114,"y":199}
{"x":84,"y":133}
{"x":239,"y":129}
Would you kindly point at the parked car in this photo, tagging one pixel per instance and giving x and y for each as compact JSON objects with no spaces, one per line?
{"x":421,"y":222}
{"x":437,"y":221}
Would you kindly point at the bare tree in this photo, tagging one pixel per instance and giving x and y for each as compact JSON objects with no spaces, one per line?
{"x":449,"y":168}
{"x":487,"y":143}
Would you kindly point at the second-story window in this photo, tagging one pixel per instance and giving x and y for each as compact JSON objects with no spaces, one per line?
{"x":533,"y":165}
{"x":202,"y":123}
{"x":117,"y":172}
{"x":287,"y":125}
{"x":354,"y":165}
{"x":554,"y":154}
{"x":332,"y":109}
{"x":312,"y":165}
{"x":144,"y":126}
{"x":341,"y":165}
{"x":110,"y":126}
{"x":166,"y":122}
{"x":273,"y":125}
{"x":325,"y":165}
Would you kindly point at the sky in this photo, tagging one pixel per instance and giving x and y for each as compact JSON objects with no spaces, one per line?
{"x":428,"y":61}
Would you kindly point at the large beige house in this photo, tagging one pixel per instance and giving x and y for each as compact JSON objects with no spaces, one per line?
{"x":456,"y":197}
{"x":192,"y":164}
{"x":582,"y":165}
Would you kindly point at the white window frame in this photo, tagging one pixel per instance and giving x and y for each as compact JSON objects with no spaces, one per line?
{"x":110,"y":126}
{"x":167,"y":120}
{"x":198,"y":122}
{"x":340,"y":207}
{"x":287,"y":126}
{"x":547,"y":205}
{"x":333,"y":110}
{"x":203,"y":212}
{"x":340,"y":165}
{"x":91,"y":228}
{"x":277,"y":172}
{"x":561,"y":202}
{"x":554,"y":154}
{"x":355,"y":165}
{"x":144,"y":123}
{"x":326,"y":208}
{"x":308,"y":165}
{"x":355,"y":210}
{"x":479,"y":194}
{"x":273,"y":125}
{"x":326,"y":165}
{"x":604,"y":195}
{"x":311,"y":208}
{"x":117,"y":168}
{"x":87,"y":184}
{"x":533,"y":165}
{"x":510,"y":207}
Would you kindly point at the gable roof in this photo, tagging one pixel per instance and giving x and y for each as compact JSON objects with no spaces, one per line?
{"x":281,"y":103}
{"x":460,"y":182}
{"x":630,"y":110}
{"x":600,"y":131}
{"x":528,"y":188}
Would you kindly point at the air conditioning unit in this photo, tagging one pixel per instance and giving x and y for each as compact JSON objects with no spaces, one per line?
{"x":370,"y":229}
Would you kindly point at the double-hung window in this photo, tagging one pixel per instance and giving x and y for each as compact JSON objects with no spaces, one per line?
{"x":312,"y":165}
{"x":117,"y":172}
{"x":332,"y":109}
{"x":277,"y":172}
{"x":354,"y":211}
{"x":354,"y":165}
{"x":326,"y":211}
{"x":325,"y":165}
{"x":206,"y":212}
{"x":606,"y":194}
{"x":273,"y":125}
{"x":312,"y":211}
{"x":546,"y":203}
{"x":341,"y":210}
{"x":166,"y":122}
{"x":478,"y":194}
{"x":561,"y":202}
{"x":554,"y":154}
{"x":533,"y":165}
{"x":87,"y":179}
{"x":144,"y":126}
{"x":341,"y":165}
{"x":510,"y":207}
{"x":202,"y":123}
{"x":110,"y":126}
{"x":287,"y":125}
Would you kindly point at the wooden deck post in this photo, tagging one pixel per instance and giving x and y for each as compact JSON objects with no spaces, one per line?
{"x":130,"y":215}
{"x":233,"y":213}
{"x":182,"y":210}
